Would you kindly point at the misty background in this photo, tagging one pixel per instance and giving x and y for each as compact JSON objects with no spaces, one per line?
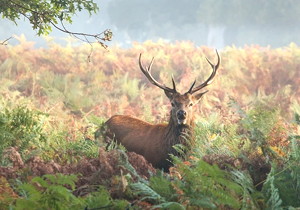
{"x":214,"y":23}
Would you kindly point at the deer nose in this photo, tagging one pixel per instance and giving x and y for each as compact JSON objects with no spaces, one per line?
{"x":181,"y":114}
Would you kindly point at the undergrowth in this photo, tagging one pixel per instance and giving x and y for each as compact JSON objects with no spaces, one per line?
{"x":246,"y":154}
{"x":229,"y":182}
{"x":55,"y":192}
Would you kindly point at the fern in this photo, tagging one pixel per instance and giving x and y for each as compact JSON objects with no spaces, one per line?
{"x":250,"y":196}
{"x":207,"y":186}
{"x":272,"y":193}
{"x":49,"y":192}
{"x":102,"y":200}
{"x":295,"y":166}
{"x":20,"y":127}
{"x":162,"y":184}
{"x":84,"y":147}
{"x":159,"y":191}
{"x":123,"y":160}
{"x":146,"y":192}
{"x":55,"y":192}
{"x":259,"y":121}
{"x":281,"y":188}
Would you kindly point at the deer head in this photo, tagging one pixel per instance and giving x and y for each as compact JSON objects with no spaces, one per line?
{"x":182,"y":104}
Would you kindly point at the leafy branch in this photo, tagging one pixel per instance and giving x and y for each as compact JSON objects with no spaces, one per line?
{"x":43,"y":15}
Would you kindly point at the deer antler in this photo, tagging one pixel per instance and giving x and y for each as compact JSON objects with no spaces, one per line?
{"x":147,"y":73}
{"x":209,"y":80}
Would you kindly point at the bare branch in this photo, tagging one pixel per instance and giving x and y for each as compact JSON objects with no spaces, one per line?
{"x":5,"y":42}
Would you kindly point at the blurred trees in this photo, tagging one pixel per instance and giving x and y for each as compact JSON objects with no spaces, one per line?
{"x":282,"y":13}
{"x":244,"y":20}
{"x":251,"y":20}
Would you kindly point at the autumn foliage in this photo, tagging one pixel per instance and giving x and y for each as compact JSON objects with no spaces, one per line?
{"x":53,"y":100}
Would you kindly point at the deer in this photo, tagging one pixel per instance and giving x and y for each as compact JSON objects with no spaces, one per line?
{"x":156,"y":141}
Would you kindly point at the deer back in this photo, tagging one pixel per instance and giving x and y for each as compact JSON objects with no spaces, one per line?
{"x":138,"y":136}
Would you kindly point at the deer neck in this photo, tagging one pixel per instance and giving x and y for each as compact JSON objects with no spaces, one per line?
{"x":179,"y":134}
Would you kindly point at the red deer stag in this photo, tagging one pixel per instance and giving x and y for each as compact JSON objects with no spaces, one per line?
{"x":155,"y":142}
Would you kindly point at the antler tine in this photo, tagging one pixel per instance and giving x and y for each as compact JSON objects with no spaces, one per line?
{"x":210,"y":78}
{"x":147,"y":71}
{"x":174,"y":85}
{"x":191,"y":88}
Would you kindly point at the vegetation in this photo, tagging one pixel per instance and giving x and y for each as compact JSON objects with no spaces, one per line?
{"x":53,"y":101}
{"x":44,"y":15}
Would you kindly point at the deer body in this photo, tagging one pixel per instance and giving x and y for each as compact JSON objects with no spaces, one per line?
{"x":155,"y":141}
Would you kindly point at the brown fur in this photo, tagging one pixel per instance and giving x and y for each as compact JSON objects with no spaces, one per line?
{"x":154,"y":142}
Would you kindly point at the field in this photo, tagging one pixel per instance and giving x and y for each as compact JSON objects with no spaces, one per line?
{"x":247,"y":152}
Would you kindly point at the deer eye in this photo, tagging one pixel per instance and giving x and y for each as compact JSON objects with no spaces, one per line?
{"x":191,"y":104}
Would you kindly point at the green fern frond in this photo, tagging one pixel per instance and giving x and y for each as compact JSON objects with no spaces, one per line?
{"x":250,"y":194}
{"x":271,"y":192}
{"x":162,"y":184}
{"x":147,"y":193}
{"x":123,"y":160}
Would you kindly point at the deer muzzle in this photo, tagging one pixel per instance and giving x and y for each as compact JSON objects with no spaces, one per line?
{"x":181,"y":117}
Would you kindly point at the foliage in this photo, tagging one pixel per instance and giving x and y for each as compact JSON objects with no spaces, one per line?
{"x":147,"y":193}
{"x":55,"y":192}
{"x":250,"y":196}
{"x":48,"y":192}
{"x":258,"y":124}
{"x":7,"y":194}
{"x":20,"y":127}
{"x":30,"y":132}
{"x":53,"y":101}
{"x":282,"y":185}
{"x":207,"y":186}
{"x":274,"y":201}
{"x":102,"y":199}
{"x":42,"y":14}
{"x":106,"y":90}
{"x":200,"y":185}
{"x":163,"y":185}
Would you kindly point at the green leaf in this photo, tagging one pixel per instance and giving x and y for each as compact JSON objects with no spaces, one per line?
{"x":297,"y":118}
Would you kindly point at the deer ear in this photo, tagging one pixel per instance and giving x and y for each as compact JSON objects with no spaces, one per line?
{"x":169,"y":94}
{"x":199,"y":95}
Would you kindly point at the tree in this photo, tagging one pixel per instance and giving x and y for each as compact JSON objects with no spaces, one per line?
{"x":43,"y":15}
{"x":240,"y":21}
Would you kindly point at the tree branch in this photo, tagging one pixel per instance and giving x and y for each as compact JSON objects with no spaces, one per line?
{"x":100,"y":38}
{"x":5,"y":42}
